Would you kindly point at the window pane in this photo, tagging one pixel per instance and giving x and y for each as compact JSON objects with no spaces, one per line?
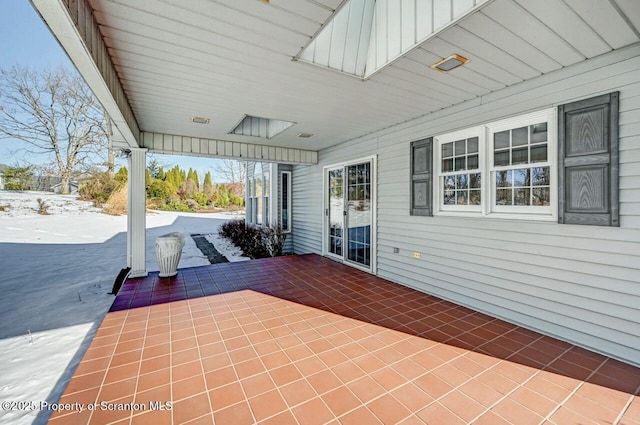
{"x":520,"y":156}
{"x":258,"y":186}
{"x":501,"y":158}
{"x":461,"y":163}
{"x":501,"y":140}
{"x":284,"y":196}
{"x":462,"y":197}
{"x":449,"y":197}
{"x":539,"y":153}
{"x":254,"y":210}
{"x":538,"y":132}
{"x":475,"y":181}
{"x":472,"y":145}
{"x":259,"y":210}
{"x":460,"y":147}
{"x":447,"y":150}
{"x":462,"y":181}
{"x":541,"y":196}
{"x":503,"y":197}
{"x":519,"y":136}
{"x":521,"y":196}
{"x":504,"y":178}
{"x":521,"y":177}
{"x":472,"y":162}
{"x":352,"y":195}
{"x":540,"y":176}
{"x":447,"y":165}
{"x":449,"y":182}
{"x":475,"y":197}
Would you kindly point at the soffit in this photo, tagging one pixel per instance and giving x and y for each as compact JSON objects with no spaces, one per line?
{"x":226,"y":59}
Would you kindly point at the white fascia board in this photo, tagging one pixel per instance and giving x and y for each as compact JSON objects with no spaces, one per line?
{"x":56,"y":16}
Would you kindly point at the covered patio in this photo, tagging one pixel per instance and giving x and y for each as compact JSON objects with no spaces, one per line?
{"x":362,"y":103}
{"x":305,"y":340}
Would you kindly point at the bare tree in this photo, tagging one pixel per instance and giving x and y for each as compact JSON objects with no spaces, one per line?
{"x":55,"y":114}
{"x":231,"y":170}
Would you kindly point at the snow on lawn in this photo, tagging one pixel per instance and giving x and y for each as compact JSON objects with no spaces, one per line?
{"x":57,"y":271}
{"x":226,"y":248}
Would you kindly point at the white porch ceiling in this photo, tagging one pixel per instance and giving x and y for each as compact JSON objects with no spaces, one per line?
{"x":223,"y":59}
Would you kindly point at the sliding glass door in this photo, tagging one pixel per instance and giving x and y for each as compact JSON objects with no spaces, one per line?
{"x":349,"y":213}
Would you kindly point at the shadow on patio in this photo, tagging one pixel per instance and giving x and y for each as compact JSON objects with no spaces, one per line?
{"x":302,"y":339}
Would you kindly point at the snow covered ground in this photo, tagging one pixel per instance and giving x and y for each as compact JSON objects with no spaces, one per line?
{"x":56,"y":272}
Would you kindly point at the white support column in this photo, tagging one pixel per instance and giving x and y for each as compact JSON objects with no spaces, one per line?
{"x":136,"y":213}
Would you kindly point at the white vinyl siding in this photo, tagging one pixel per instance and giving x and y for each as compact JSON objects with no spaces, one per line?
{"x":579,"y":283}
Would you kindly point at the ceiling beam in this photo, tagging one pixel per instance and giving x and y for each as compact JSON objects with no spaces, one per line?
{"x":75,"y":28}
{"x":195,"y":146}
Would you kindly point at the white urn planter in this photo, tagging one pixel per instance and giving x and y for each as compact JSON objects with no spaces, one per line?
{"x":168,"y":253}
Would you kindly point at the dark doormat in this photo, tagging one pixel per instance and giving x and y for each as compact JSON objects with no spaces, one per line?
{"x":208,"y":249}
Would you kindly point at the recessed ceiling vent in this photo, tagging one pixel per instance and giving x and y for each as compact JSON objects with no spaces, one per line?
{"x":201,"y":120}
{"x":449,"y":63}
{"x":260,"y":127}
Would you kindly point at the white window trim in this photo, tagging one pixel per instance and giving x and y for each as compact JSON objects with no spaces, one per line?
{"x":438,"y":205}
{"x":488,"y":192}
{"x":529,"y":212}
{"x":288,"y":173}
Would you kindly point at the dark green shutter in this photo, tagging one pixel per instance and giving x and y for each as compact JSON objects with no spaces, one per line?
{"x":588,"y":161}
{"x":421,"y":177}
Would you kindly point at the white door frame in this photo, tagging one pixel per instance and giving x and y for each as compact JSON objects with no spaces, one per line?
{"x":374,"y":209}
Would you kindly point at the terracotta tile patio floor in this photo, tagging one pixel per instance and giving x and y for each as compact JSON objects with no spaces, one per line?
{"x":305,"y":340}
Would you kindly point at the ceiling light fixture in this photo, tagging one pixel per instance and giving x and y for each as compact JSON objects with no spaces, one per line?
{"x":200,"y":120}
{"x":449,"y":63}
{"x":305,"y":135}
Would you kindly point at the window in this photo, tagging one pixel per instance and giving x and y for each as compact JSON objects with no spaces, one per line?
{"x":522,"y":164}
{"x":503,"y":168}
{"x":285,"y":201}
{"x":525,"y":167}
{"x":262,"y":188}
{"x":267,"y":189}
{"x":460,"y":182}
{"x":259,"y":194}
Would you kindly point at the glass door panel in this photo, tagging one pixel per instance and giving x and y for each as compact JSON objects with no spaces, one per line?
{"x":336,"y":211}
{"x":359,"y":214}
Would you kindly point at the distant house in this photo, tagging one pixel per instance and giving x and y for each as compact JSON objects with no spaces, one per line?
{"x":73,"y":188}
{"x":48,"y":183}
